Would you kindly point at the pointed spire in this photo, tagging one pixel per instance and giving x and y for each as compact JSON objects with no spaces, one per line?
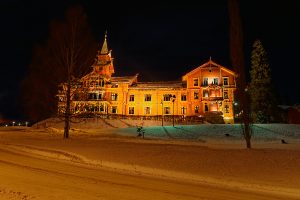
{"x":104,"y":49}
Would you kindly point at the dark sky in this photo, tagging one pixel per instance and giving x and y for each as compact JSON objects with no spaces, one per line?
{"x":161,"y":41}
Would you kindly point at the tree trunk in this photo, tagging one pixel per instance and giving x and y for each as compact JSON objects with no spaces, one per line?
{"x":67,"y":112}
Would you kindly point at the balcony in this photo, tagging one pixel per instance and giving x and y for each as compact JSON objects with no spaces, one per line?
{"x":211,"y":98}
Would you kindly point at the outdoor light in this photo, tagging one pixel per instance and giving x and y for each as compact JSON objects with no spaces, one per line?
{"x":13,"y":123}
{"x":26,"y":123}
{"x":235,"y":103}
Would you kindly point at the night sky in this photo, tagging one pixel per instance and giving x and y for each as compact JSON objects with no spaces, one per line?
{"x":160,"y":41}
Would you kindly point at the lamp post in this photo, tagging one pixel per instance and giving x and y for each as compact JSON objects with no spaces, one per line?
{"x":162,"y":113}
{"x":173,"y":97}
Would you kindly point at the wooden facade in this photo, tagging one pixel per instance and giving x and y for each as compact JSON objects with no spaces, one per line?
{"x":207,"y":89}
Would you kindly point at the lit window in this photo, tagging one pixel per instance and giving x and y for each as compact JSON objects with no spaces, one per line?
{"x":131,"y":98}
{"x":114,"y":96}
{"x":216,"y":81}
{"x":167,"y":97}
{"x":183,"y":97}
{"x":225,"y":81}
{"x":205,"y":93}
{"x":205,"y":81}
{"x":147,"y":110}
{"x":131,"y":110}
{"x":196,"y":95}
{"x":195,"y":81}
{"x":114,"y":109}
{"x":148,"y":97}
{"x":167,"y":110}
{"x":196,"y":109}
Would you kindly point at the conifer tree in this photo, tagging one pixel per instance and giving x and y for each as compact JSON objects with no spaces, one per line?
{"x":262,"y":97}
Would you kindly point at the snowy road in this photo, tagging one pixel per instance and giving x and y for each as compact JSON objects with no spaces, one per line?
{"x":23,"y":176}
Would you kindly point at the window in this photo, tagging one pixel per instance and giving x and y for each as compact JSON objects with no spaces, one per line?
{"x":196,"y":95}
{"x":205,"y":81}
{"x":147,"y":97}
{"x":114,"y":109}
{"x":92,"y":96}
{"x":167,"y":110}
{"x":225,"y":94}
{"x":131,"y":110}
{"x":205,"y":107}
{"x":216,"y":81}
{"x":183,"y":97}
{"x":183,"y":110}
{"x":196,"y":109}
{"x":167,"y":97}
{"x":101,"y":108}
{"x":205,"y":93}
{"x":114,"y":96}
{"x":131,"y":98}
{"x":147,"y":110}
{"x":225,"y":81}
{"x":226,"y":108}
{"x":195,"y":80}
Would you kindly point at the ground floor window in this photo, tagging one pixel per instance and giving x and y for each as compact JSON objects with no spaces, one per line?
{"x":167,"y":110}
{"x":226,"y":108}
{"x":183,"y":110}
{"x":196,"y":109}
{"x":205,"y":107}
{"x":114,"y":109}
{"x":131,"y":110}
{"x":147,"y":111}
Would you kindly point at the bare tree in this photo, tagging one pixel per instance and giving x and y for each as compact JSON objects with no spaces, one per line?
{"x":67,"y":54}
{"x":237,"y":60}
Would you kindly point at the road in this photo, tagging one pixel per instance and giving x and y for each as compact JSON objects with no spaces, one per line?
{"x":27,"y":177}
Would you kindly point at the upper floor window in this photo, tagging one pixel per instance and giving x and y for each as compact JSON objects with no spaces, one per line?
{"x":114,"y":96}
{"x":195,"y":82}
{"x":216,"y":81}
{"x":183,"y":97}
{"x":196,"y":95}
{"x":147,"y":97}
{"x":131,"y":97}
{"x":205,"y":81}
{"x":101,"y":83}
{"x":167,"y":97}
{"x":225,"y":81}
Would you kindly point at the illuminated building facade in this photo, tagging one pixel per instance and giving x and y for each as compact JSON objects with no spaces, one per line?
{"x":208,"y":89}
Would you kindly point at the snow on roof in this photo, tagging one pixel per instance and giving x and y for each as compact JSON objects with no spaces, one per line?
{"x":163,"y":84}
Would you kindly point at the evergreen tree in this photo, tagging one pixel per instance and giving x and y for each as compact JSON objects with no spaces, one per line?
{"x":261,"y":92}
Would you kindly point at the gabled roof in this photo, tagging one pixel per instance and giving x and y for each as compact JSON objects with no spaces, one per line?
{"x":208,"y":64}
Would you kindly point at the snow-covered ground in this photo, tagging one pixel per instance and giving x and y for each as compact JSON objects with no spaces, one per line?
{"x":181,"y":162}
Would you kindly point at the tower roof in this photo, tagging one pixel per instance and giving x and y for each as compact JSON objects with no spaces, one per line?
{"x":104,"y":49}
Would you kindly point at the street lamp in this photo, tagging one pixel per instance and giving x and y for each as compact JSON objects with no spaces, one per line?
{"x":13,"y":123}
{"x":173,"y":97}
{"x":162,"y":113}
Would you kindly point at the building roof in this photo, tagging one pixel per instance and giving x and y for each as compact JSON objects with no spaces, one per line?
{"x":123,"y":79}
{"x":160,"y":85}
{"x":208,"y":64}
